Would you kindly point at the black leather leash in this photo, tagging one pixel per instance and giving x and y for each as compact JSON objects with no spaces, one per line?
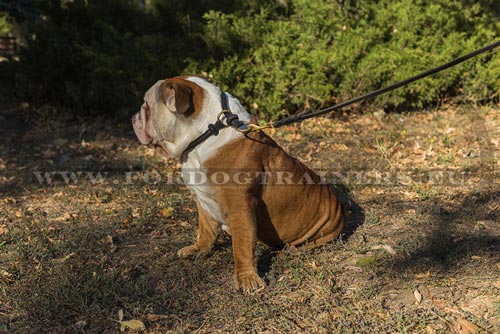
{"x":233,"y":121}
{"x":309,"y":113}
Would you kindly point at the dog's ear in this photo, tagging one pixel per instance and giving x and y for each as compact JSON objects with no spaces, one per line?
{"x":177,"y":96}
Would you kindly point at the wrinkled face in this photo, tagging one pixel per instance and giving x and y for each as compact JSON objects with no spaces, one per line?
{"x":165,"y":116}
{"x":142,"y":121}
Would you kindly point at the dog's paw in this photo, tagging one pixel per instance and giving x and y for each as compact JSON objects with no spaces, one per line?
{"x":187,"y":251}
{"x":248,"y":282}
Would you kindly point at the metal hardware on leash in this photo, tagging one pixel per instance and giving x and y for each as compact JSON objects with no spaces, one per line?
{"x":250,"y":127}
{"x":222,"y":113}
{"x":232,"y":120}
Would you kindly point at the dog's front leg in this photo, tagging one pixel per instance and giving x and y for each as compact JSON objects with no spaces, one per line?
{"x":244,"y":236}
{"x":208,"y":231}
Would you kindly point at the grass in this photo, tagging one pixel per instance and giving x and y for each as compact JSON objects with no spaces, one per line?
{"x":73,"y":255}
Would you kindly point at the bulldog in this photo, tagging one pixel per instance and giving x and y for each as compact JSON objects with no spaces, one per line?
{"x":249,"y":186}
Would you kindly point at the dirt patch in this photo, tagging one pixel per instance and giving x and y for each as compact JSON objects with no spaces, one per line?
{"x":422,"y":254}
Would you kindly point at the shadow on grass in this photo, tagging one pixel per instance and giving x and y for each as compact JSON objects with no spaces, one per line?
{"x":354,"y":214}
{"x":36,"y":157}
{"x":75,"y":278}
{"x":455,"y":234}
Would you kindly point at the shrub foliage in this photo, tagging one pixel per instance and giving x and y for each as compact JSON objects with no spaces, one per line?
{"x":91,"y":56}
{"x":322,"y":52}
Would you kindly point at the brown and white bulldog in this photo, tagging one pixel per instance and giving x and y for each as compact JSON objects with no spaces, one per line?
{"x":249,"y":187}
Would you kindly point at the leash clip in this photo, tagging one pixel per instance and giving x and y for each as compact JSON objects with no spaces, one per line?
{"x":223,"y":113}
{"x":231,"y":119}
{"x":250,"y":127}
{"x":243,"y":127}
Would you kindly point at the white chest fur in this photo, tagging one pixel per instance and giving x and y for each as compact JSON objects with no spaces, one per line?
{"x":195,"y":178}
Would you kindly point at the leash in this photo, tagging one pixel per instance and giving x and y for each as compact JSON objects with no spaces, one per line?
{"x":309,"y":113}
{"x":231,"y":120}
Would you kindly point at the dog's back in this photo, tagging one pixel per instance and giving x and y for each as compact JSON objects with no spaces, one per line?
{"x":292,"y":204}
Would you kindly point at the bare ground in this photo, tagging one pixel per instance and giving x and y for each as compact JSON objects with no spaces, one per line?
{"x":421,"y":254}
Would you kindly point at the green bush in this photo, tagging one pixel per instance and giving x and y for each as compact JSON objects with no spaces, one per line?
{"x":278,"y":57}
{"x":92,"y":56}
{"x":4,"y":23}
{"x":323,"y":52}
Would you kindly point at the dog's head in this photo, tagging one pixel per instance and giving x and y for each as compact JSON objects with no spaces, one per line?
{"x":166,"y":117}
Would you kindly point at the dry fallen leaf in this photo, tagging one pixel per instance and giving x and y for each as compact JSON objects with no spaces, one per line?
{"x":80,"y":324}
{"x":313,"y":265}
{"x":292,"y":250}
{"x":437,"y":327}
{"x":62,"y":218}
{"x":167,"y":212}
{"x":63,"y":259}
{"x":157,"y":317}
{"x":126,"y":221}
{"x":466,"y":327}
{"x":5,"y":273}
{"x":369,"y":150}
{"x":423,"y":275}
{"x":440,"y":303}
{"x":366,"y":261}
{"x":385,"y":247}
{"x":110,"y":241}
{"x":418,"y":296}
{"x":132,"y":324}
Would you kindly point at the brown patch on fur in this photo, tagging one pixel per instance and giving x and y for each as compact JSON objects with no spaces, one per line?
{"x":301,"y":213}
{"x":188,"y":95}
